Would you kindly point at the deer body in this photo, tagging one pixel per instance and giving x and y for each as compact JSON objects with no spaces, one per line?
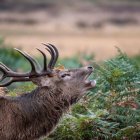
{"x":33,"y":115}
{"x":30,"y":116}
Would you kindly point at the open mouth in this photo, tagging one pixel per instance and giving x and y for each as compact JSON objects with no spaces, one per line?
{"x":89,"y":83}
{"x":88,"y":75}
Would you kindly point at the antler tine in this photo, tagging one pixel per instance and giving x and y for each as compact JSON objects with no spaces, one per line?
{"x":3,"y":71}
{"x":2,"y":67}
{"x":19,"y":79}
{"x":6,"y":84}
{"x":5,"y":66}
{"x":52,"y":57}
{"x":56,"y":54}
{"x":7,"y":72}
{"x":51,"y":51}
{"x":30,"y":59}
{"x":45,"y":60}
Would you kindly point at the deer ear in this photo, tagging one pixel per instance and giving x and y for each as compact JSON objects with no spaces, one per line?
{"x":60,"y":67}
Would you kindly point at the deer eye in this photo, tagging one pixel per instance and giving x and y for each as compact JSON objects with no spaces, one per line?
{"x":64,"y":75}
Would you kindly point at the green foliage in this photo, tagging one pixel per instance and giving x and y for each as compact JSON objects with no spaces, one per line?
{"x":22,"y":89}
{"x":136,"y":59}
{"x":12,"y":58}
{"x":109,"y":112}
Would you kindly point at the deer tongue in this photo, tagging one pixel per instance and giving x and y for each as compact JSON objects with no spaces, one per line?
{"x":90,"y":83}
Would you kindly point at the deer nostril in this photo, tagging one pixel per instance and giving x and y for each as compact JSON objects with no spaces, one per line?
{"x":90,"y":67}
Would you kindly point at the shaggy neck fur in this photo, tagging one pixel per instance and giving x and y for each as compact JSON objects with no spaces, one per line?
{"x":34,"y":114}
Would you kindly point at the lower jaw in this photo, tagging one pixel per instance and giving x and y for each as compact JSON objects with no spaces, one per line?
{"x":90,"y":83}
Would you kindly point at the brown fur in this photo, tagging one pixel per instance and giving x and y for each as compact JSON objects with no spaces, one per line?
{"x":3,"y":91}
{"x":33,"y":115}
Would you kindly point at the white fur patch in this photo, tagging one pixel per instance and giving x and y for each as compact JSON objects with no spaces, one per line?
{"x":93,"y":83}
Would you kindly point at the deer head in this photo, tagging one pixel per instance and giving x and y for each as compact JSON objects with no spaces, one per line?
{"x":49,"y":76}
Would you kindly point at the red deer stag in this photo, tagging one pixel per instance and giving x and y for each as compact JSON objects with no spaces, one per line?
{"x":32,"y":115}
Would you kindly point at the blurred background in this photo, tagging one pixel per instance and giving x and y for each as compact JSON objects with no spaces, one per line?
{"x":74,"y":26}
{"x":84,"y":31}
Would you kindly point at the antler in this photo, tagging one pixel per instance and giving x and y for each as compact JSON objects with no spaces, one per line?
{"x":20,"y":77}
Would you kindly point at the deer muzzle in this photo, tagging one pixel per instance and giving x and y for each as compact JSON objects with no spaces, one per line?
{"x":89,"y":83}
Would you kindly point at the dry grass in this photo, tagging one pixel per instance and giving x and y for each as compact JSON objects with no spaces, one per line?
{"x":60,"y":26}
{"x":99,"y":42}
